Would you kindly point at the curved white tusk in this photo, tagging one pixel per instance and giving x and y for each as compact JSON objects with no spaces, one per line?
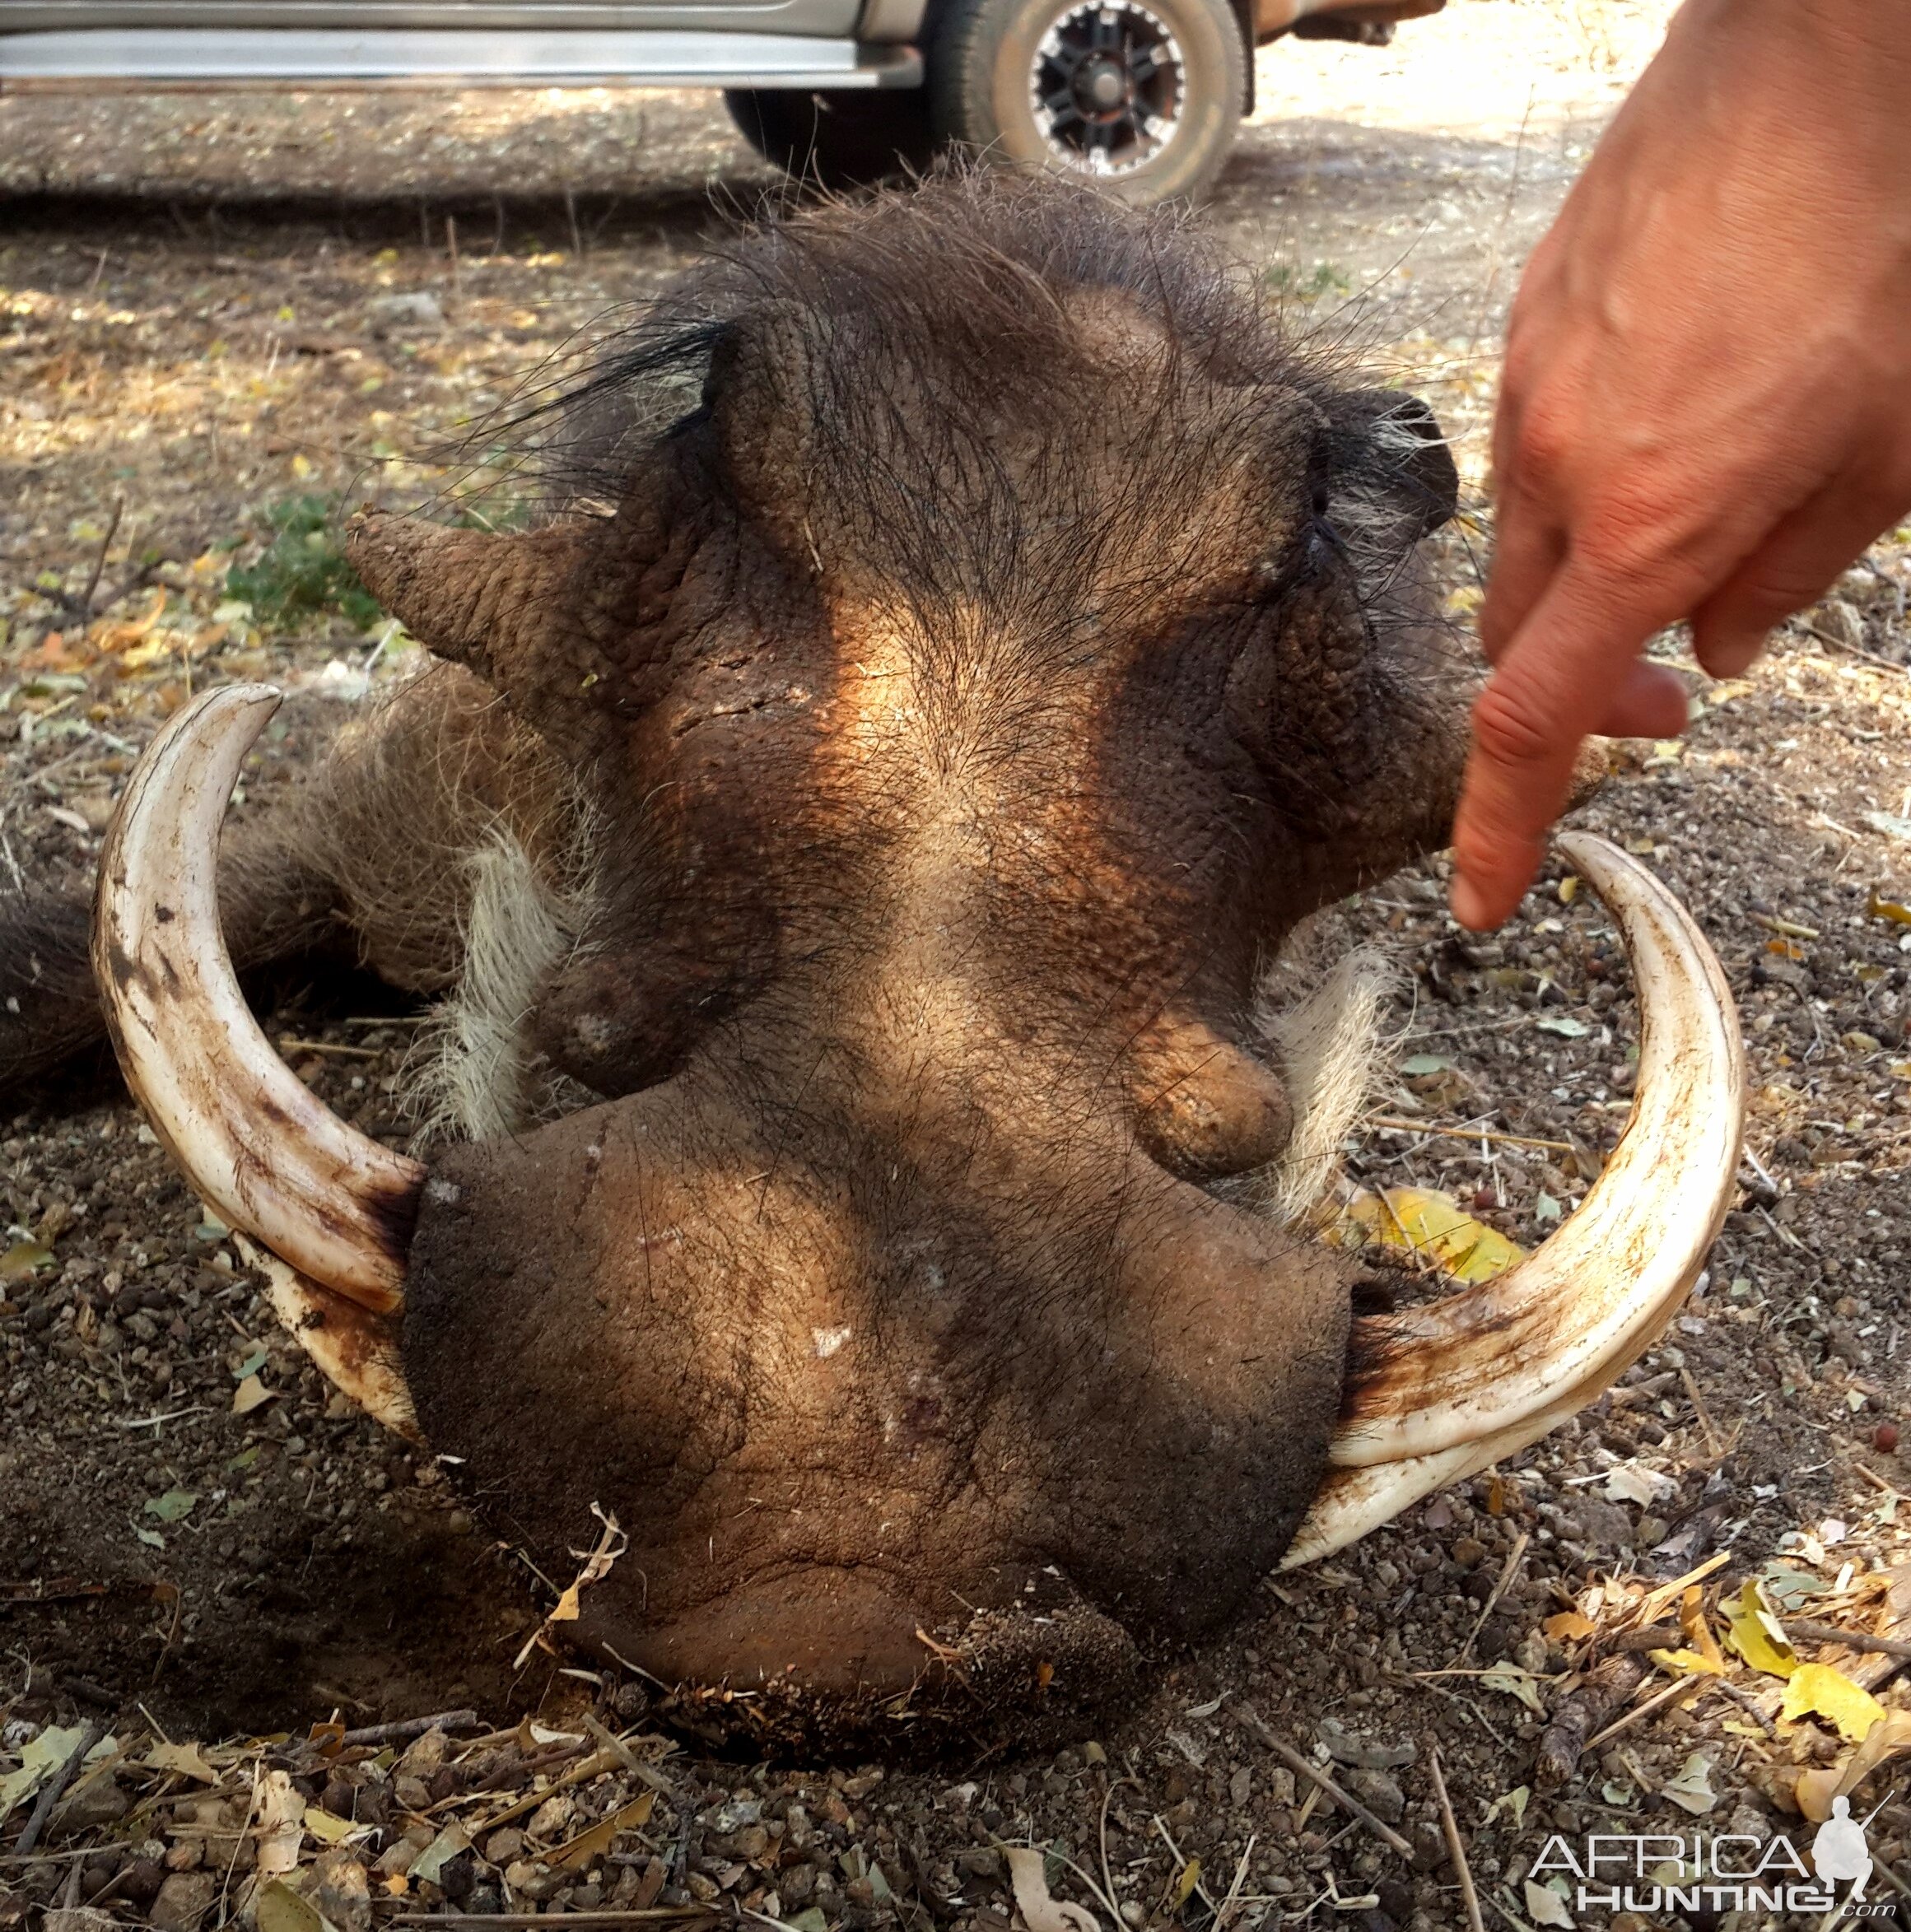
{"x":269,"y":1157}
{"x":355,"y":1350}
{"x":1494,"y":1361}
{"x":1353,"y":1502}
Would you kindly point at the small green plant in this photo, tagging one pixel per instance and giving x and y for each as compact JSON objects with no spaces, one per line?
{"x":302,"y":573}
{"x":1325,"y":278}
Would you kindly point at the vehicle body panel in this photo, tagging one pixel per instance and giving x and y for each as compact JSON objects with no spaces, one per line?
{"x":698,"y":47}
{"x":810,"y":44}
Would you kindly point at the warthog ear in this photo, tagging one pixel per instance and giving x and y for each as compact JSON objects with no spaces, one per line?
{"x":508,"y":605}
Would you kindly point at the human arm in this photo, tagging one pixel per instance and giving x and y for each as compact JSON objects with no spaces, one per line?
{"x":1706,"y":410}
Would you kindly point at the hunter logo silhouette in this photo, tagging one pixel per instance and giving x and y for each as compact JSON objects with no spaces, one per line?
{"x":1840,"y":1850}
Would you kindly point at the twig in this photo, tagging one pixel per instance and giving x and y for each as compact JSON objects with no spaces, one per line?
{"x":1466,"y":1704}
{"x":410,"y":1727}
{"x":1515,"y":1557}
{"x":287,"y":1044}
{"x":1512,"y":1919}
{"x":1745,"y":1701}
{"x":1250,"y":1721}
{"x":1517,"y":1140}
{"x":597,"y":1763}
{"x":100,"y":559}
{"x":1852,"y":1640}
{"x":1107,"y":1871}
{"x":1450,"y":1827}
{"x":649,"y":1915}
{"x":1873,"y":1476}
{"x":1856,"y":650}
{"x":49,"y":1792}
{"x":1645,"y":1710}
{"x":1182,"y":1862}
{"x":1698,"y":1402}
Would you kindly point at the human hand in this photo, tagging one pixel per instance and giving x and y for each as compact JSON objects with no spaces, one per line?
{"x":1706,"y":410}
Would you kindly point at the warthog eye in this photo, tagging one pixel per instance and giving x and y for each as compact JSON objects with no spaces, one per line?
{"x":1318,"y":553}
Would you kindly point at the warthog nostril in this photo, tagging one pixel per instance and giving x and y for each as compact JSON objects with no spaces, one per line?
{"x":1203,"y":1106}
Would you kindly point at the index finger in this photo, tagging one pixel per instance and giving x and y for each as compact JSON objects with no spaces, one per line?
{"x":1556,"y":683}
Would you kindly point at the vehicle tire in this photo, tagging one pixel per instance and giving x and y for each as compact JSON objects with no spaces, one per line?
{"x":1140,"y":97}
{"x":843,"y":139}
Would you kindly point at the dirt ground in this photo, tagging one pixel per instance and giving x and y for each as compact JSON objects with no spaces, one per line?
{"x":221,"y":316}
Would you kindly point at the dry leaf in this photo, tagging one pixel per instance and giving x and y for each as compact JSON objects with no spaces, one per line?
{"x":1427,"y":1226}
{"x":576,"y":1853}
{"x":1697,"y":1628}
{"x":38,"y":1756}
{"x":1514,"y":1801}
{"x":24,"y":1259}
{"x":1043,"y":1913}
{"x":1757,"y":1635}
{"x":281,"y":1826}
{"x":185,"y":1759}
{"x":1691,"y":1790}
{"x":1545,"y":1908}
{"x":1823,"y":1692}
{"x":1515,"y":1683}
{"x":1633,"y":1482}
{"x":1569,"y":1627}
{"x":1816,"y":1789}
{"x":425,"y":1868}
{"x":1688,"y":1664}
{"x":251,"y":1394}
{"x":327,"y":1827}
{"x":280,"y":1909}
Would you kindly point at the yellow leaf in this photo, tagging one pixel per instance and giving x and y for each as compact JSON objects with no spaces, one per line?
{"x":1688,"y":1664}
{"x":1756,"y":1635}
{"x":1184,"y":1886}
{"x":1427,"y":1226}
{"x":565,"y":1609}
{"x":1697,"y":1628}
{"x":183,"y":1758}
{"x":327,"y":1827}
{"x":1569,"y":1627}
{"x":280,"y":1909}
{"x":1818,"y":1690}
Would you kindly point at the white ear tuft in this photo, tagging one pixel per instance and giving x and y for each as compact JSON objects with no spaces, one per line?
{"x":477,"y":1079}
{"x":1328,"y":1046}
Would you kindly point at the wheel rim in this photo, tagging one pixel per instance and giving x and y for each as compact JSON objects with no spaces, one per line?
{"x":1108,"y":87}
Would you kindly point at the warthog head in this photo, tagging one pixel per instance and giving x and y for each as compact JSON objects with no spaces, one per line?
{"x":917,"y":738}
